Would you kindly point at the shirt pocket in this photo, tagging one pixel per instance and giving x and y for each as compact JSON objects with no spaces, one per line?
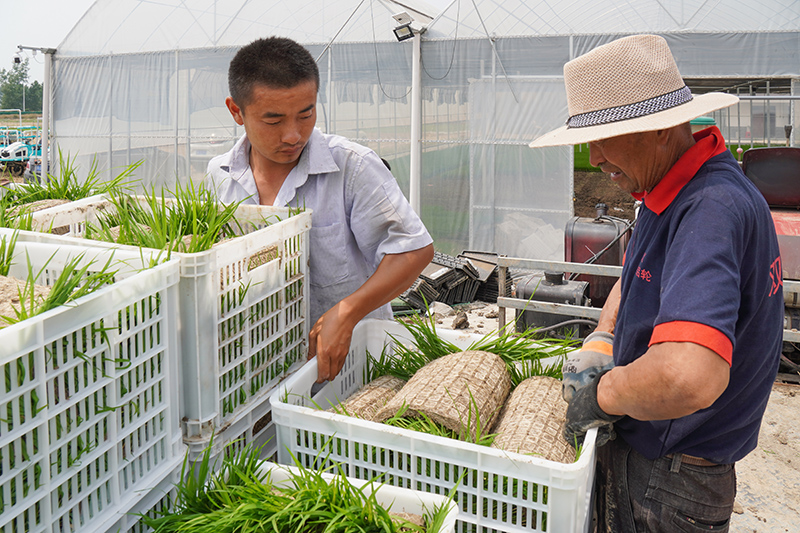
{"x":328,"y":255}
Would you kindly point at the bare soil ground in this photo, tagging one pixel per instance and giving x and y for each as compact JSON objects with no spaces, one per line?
{"x":768,"y":479}
{"x":592,"y":188}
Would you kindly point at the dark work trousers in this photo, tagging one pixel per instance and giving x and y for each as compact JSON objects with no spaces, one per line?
{"x":637,"y":495}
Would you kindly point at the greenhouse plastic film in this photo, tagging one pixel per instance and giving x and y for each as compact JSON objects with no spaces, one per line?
{"x":501,"y":490}
{"x":90,"y":404}
{"x":243,"y":312}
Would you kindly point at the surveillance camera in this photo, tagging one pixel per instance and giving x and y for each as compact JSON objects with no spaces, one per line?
{"x":17,"y":59}
{"x":403,"y":18}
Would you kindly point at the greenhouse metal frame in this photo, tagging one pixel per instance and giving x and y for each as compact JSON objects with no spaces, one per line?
{"x":452,"y":109}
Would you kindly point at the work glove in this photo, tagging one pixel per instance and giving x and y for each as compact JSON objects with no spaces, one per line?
{"x":584,"y":413}
{"x":584,"y":365}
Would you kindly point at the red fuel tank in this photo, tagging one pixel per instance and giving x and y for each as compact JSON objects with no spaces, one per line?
{"x":787,"y":226}
{"x":600,"y":241}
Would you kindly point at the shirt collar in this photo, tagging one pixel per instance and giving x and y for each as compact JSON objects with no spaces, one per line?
{"x":237,"y":161}
{"x":320,"y":160}
{"x":708,"y":143}
{"x":315,"y":159}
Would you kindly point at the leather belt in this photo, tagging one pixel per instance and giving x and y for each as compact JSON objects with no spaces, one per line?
{"x":692,"y":460}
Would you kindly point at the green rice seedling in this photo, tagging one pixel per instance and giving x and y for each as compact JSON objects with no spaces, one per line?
{"x":192,"y":221}
{"x":7,"y":252}
{"x":241,"y":498}
{"x":424,"y":424}
{"x":578,"y":448}
{"x":403,"y":363}
{"x":14,"y":216}
{"x":472,"y":428}
{"x":209,"y":221}
{"x":522,"y":353}
{"x":67,"y":185}
{"x":527,"y":350}
{"x":72,"y":283}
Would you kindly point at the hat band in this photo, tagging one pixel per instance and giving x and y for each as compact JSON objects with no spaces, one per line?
{"x":625,"y":112}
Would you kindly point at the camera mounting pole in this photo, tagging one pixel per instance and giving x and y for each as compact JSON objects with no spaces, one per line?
{"x":47,"y":96}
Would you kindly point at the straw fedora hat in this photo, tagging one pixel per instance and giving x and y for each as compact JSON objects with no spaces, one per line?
{"x":627,"y":86}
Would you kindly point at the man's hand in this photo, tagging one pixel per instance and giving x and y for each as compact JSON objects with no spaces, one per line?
{"x":329,"y":342}
{"x":585,"y":413}
{"x":585,"y":365}
{"x":329,"y":339}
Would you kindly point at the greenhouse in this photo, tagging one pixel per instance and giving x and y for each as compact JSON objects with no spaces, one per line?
{"x":451,"y":109}
{"x":163,"y":343}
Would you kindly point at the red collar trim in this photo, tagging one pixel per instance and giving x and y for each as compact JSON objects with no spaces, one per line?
{"x":708,"y":143}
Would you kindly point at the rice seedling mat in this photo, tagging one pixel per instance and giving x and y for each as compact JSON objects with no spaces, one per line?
{"x":532,"y":421}
{"x":455,"y":390}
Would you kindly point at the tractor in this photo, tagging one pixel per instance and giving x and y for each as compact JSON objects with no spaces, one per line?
{"x":14,"y":157}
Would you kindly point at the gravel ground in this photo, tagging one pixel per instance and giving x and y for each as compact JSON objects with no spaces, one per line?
{"x":768,"y":479}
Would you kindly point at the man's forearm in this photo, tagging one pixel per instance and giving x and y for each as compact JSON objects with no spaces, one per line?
{"x":329,"y":339}
{"x":671,"y":380}
{"x":395,"y":273}
{"x":608,"y":316}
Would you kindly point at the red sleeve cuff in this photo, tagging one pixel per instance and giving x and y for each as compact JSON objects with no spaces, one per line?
{"x":680,"y":331}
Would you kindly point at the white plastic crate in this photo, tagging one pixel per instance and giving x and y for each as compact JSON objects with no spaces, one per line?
{"x":89,"y":413}
{"x":243,"y":316}
{"x":5,"y":188}
{"x":397,"y":499}
{"x":44,"y":215}
{"x":501,"y":491}
{"x":150,"y":501}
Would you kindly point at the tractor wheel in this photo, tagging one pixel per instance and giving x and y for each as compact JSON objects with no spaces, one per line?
{"x":16,"y":169}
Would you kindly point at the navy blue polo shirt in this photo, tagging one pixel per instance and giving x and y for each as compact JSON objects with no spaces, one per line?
{"x":703,"y":266}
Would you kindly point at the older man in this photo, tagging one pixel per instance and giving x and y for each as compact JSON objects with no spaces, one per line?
{"x":697,"y":313}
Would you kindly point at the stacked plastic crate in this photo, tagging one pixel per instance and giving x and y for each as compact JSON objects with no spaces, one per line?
{"x":243,"y":318}
{"x":89,"y":417}
{"x":240,"y":327}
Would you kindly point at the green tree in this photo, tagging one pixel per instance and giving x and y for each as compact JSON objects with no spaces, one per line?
{"x":33,"y":97}
{"x":15,"y":93}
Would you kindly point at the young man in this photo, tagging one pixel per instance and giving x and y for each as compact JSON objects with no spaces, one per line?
{"x":697,"y":315}
{"x":366,"y":243}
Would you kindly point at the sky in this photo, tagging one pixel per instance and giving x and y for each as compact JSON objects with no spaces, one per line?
{"x":36,"y":23}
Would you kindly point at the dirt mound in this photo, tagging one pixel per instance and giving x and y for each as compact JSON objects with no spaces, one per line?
{"x":592,"y":188}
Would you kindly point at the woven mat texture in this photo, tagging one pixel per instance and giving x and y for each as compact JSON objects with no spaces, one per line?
{"x":450,"y":389}
{"x":533,"y":419}
{"x":369,"y":398}
{"x":38,"y":205}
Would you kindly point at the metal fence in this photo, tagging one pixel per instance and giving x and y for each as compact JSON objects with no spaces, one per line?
{"x":763,"y":120}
